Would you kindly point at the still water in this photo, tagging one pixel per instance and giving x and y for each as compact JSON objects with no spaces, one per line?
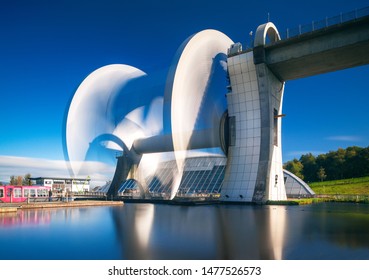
{"x":157,"y":231}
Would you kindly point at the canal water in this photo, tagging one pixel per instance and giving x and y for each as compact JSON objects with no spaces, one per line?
{"x":158,"y":231}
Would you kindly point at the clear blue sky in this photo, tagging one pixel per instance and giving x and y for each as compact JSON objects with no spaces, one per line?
{"x":47,"y":48}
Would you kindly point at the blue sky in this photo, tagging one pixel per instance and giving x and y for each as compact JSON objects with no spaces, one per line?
{"x":47,"y":48}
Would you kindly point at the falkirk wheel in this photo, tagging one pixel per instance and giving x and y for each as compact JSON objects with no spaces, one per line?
{"x":210,"y":125}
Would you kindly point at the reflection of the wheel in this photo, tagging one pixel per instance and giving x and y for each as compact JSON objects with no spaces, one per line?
{"x":157,"y":231}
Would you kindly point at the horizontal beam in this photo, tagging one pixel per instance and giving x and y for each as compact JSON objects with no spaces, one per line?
{"x":333,"y":48}
{"x":201,"y":139}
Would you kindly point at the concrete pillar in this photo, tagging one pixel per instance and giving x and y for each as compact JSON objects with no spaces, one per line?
{"x":254,"y":170}
{"x":124,"y":165}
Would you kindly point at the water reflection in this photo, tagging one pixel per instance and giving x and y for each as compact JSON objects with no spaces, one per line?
{"x":204,"y":232}
{"x":260,"y":237}
{"x":155,"y":231}
{"x":24,"y":218}
{"x":58,"y":234}
{"x":242,"y":232}
{"x":345,"y":227}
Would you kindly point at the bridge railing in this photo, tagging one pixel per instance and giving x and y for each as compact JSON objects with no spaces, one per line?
{"x":327,"y":22}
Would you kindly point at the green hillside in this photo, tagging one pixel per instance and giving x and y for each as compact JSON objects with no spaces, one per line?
{"x":356,"y":186}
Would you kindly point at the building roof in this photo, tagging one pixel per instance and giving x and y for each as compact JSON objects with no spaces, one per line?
{"x":60,"y":178}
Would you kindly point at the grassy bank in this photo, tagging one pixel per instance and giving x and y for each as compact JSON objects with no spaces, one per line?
{"x":301,"y":201}
{"x":354,"y":186}
{"x":328,"y":198}
{"x":354,"y":190}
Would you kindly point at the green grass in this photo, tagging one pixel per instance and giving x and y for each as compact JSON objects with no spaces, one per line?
{"x":301,"y":201}
{"x":348,"y":190}
{"x":354,"y":186}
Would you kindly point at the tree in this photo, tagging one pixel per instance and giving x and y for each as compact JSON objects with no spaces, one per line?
{"x":351,"y":162}
{"x":362,"y":162}
{"x":13,"y":180}
{"x":321,"y":174}
{"x":27,"y":179}
{"x":295,"y":167}
{"x":351,"y":167}
{"x":310,"y":167}
{"x":19,"y":181}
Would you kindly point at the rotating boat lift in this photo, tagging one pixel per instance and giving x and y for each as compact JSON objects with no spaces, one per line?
{"x":121,"y":108}
{"x":247,"y":130}
{"x":250,"y":122}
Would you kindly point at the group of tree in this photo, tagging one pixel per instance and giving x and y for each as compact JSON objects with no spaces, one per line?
{"x":351,"y":162}
{"x":20,"y":180}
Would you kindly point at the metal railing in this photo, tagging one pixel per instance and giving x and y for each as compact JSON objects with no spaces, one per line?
{"x":327,"y":22}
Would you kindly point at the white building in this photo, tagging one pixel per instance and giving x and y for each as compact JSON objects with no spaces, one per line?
{"x":63,"y":184}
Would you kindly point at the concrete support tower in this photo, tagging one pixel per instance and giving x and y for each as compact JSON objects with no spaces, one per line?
{"x":254,"y":170}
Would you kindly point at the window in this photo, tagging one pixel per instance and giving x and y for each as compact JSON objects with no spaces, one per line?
{"x":26,"y":193}
{"x":232,"y":131}
{"x":275,"y":128}
{"x":32,"y":192}
{"x":62,"y":182}
{"x":41,"y":192}
{"x":17,"y":192}
{"x":1,"y":192}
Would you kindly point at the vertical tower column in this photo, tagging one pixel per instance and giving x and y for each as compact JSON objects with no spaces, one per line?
{"x":244,"y":130}
{"x":254,"y":170}
{"x":124,"y":165}
{"x":270,"y":179}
